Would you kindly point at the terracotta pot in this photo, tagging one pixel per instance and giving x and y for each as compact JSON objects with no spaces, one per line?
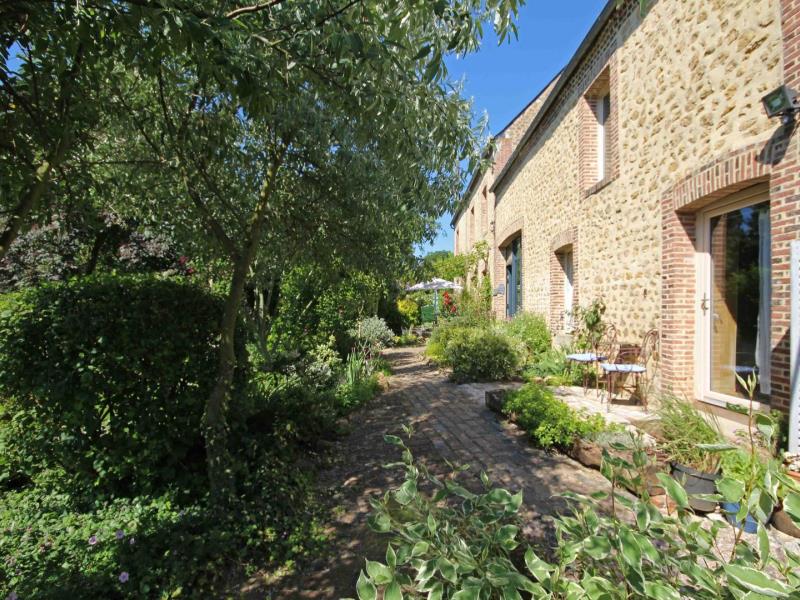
{"x":783,"y":523}
{"x":794,"y":475}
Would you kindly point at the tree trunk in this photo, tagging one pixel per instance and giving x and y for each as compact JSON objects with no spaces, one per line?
{"x":30,"y":200}
{"x":218,"y":459}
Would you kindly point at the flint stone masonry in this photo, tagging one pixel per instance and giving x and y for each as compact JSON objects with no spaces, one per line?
{"x":686,"y":83}
{"x":685,"y":130}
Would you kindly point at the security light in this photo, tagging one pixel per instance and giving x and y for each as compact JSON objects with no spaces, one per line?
{"x":781,"y":102}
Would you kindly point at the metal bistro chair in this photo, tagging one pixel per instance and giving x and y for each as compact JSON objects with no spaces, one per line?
{"x":639,"y":363}
{"x":603,"y":350}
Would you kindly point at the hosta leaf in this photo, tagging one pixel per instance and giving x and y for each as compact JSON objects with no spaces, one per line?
{"x":470,"y":593}
{"x":391,"y":557}
{"x":365,"y":588}
{"x":661,"y":591}
{"x":598,"y":547}
{"x":420,"y":548}
{"x":380,"y":523}
{"x":511,"y":593}
{"x":597,"y":588}
{"x":763,"y":545}
{"x":756,"y":581}
{"x":436,"y":591}
{"x":393,"y":592}
{"x":674,"y":490}
{"x":379,"y":573}
{"x":731,"y":489}
{"x":642,"y":516}
{"x":629,"y":548}
{"x":538,"y":568}
{"x":791,"y":504}
{"x":447,"y":569}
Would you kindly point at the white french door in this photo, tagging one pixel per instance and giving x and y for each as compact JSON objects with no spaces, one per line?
{"x":734,"y":287}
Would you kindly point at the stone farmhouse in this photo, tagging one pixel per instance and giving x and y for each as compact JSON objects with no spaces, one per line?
{"x":648,"y":174}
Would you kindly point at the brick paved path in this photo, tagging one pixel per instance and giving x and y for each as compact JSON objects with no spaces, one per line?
{"x":450,"y":421}
{"x":460,"y":428}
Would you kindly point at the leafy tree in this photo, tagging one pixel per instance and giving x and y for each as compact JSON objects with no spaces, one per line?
{"x":261,"y":135}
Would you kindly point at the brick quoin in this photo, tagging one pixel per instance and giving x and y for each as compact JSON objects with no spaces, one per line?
{"x":776,"y":162}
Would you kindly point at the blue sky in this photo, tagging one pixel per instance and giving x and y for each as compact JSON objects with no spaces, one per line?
{"x":501,"y":80}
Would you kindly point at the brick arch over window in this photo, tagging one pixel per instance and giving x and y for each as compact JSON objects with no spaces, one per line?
{"x":562,"y":245}
{"x":712,"y":182}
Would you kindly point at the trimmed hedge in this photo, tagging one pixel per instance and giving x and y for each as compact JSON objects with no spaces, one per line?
{"x":106,"y":378}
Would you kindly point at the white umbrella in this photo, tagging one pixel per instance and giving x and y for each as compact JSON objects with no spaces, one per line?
{"x":435,"y":284}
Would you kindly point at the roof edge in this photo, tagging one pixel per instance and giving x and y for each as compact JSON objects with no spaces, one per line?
{"x":478,"y":173}
{"x":583,"y":49}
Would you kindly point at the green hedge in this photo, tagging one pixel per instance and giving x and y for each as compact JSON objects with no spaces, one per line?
{"x":106,"y":378}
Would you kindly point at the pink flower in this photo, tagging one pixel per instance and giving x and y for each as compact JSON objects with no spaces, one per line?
{"x":93,"y":540}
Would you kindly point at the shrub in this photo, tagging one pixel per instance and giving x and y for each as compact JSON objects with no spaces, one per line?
{"x":682,"y":429}
{"x":350,"y":396}
{"x":406,"y":339}
{"x":409,"y":309}
{"x":550,"y":422}
{"x":481,"y":354}
{"x":323,"y":365}
{"x":106,"y":377}
{"x":440,"y":336}
{"x":554,"y":368}
{"x":530,"y":331}
{"x":371,"y":335}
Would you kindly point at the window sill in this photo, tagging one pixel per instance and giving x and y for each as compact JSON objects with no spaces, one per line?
{"x":733,"y":404}
{"x":599,"y":186}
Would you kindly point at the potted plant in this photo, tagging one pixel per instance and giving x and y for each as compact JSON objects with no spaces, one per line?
{"x":780,"y":518}
{"x":741,"y":466}
{"x":682,"y":429}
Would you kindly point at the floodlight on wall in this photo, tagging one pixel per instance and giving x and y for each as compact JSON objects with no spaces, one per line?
{"x":781,"y":102}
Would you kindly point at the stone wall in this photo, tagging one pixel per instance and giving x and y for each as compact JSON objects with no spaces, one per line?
{"x":685,"y":81}
{"x":481,"y":200}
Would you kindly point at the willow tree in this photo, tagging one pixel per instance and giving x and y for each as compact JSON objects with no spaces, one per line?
{"x":324,"y":127}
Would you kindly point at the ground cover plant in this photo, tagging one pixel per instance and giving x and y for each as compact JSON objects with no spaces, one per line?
{"x":551,"y":422}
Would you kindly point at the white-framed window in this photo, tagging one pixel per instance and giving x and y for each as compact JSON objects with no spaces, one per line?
{"x":734,"y":297}
{"x":603,"y":111}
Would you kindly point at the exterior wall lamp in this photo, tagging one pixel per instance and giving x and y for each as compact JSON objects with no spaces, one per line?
{"x":781,"y":102}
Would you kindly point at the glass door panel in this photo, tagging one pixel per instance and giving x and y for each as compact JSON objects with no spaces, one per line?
{"x":739,"y":251}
